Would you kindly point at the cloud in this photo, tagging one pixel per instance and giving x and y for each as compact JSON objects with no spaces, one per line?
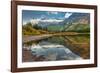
{"x":36,"y":21}
{"x":68,"y":14}
{"x":42,"y":16}
{"x":52,"y":12}
{"x":24,"y":22}
{"x":51,"y":20}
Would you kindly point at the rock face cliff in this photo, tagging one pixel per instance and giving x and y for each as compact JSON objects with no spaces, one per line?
{"x":79,"y":22}
{"x":79,"y":18}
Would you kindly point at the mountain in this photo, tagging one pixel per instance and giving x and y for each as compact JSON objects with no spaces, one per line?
{"x":76,"y":22}
{"x":79,"y":28}
{"x":79,"y":22}
{"x":79,"y":18}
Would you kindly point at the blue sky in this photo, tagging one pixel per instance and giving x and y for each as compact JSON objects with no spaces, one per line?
{"x":27,"y":15}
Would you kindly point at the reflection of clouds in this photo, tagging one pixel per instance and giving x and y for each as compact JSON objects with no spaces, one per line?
{"x":71,"y":56}
{"x":53,"y":52}
{"x":51,"y":57}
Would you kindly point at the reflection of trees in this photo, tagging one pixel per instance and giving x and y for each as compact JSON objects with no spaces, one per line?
{"x":82,"y":49}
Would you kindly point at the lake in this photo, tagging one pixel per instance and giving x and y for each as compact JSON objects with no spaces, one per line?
{"x":57,"y":48}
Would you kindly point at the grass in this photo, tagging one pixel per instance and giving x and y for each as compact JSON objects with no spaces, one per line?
{"x":80,"y":39}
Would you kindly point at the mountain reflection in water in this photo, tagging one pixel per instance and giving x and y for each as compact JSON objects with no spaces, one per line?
{"x":53,"y":52}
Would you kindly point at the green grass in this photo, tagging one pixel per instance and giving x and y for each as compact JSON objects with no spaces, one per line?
{"x":55,"y":28}
{"x":80,"y":39}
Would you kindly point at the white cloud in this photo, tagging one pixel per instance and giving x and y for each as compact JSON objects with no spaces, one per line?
{"x":67,"y":15}
{"x":24,"y":22}
{"x":52,"y":12}
{"x":36,"y":21}
{"x":42,"y":16}
{"x":51,"y":20}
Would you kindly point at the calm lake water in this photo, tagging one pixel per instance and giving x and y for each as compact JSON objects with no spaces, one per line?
{"x":61,"y":48}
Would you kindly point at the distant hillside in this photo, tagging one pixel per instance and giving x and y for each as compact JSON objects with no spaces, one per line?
{"x":78,"y":22}
{"x":79,"y":18}
{"x":28,"y":29}
{"x":79,"y":28}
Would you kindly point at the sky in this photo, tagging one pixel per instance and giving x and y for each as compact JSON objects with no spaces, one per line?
{"x":28,"y":15}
